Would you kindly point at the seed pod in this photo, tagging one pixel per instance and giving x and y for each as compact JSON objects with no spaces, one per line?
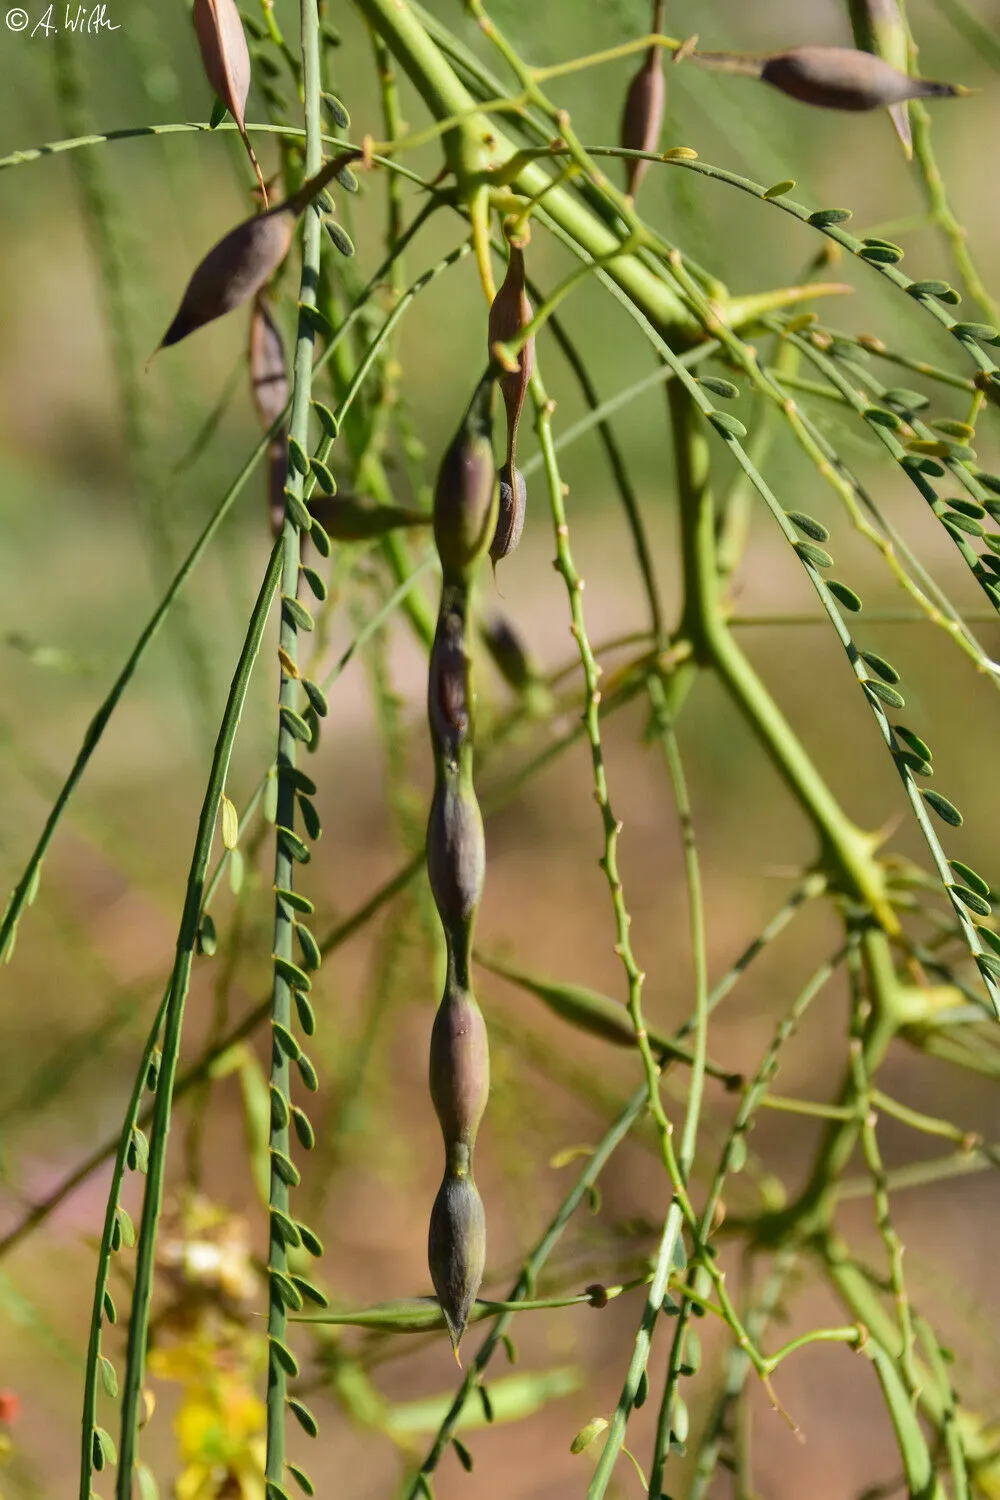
{"x":879,"y":28}
{"x":642,"y":117}
{"x":842,"y":78}
{"x":456,"y":853}
{"x":226,"y":59}
{"x":456,"y":1251}
{"x":277,"y":472}
{"x":511,"y":502}
{"x":447,"y":691}
{"x":268,"y":373}
{"x":459,"y":1068}
{"x":509,"y":314}
{"x":237,"y":267}
{"x":465,"y":495}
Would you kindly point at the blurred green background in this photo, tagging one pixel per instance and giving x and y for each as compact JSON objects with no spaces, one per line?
{"x":93,"y":529}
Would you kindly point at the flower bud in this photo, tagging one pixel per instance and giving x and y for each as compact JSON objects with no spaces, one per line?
{"x":456,"y":1251}
{"x":842,"y":78}
{"x":460,"y":1067}
{"x":456,"y":853}
{"x":511,"y":502}
{"x":465,"y":494}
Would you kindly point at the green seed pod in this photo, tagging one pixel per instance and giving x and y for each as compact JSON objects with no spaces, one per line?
{"x":511,"y":502}
{"x":642,"y":116}
{"x":456,"y":1251}
{"x":456,"y":853}
{"x":465,"y":495}
{"x":459,"y":1068}
{"x":509,"y":314}
{"x":842,"y":78}
{"x":447,"y":694}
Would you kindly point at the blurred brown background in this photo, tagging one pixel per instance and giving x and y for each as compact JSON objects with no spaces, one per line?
{"x":87,"y":548}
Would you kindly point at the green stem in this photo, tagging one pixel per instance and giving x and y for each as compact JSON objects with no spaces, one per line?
{"x":845,"y":848}
{"x":288,"y":697}
{"x":179,"y":981}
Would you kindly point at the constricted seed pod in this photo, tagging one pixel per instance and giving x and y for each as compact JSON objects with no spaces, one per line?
{"x":456,"y":853}
{"x":465,"y":494}
{"x":277,"y":473}
{"x":842,"y":78}
{"x":642,"y":117}
{"x":226,"y":59}
{"x":511,"y":502}
{"x":879,"y":28}
{"x":456,"y":1251}
{"x":459,"y":1069}
{"x":237,"y":267}
{"x":447,"y":692}
{"x":510,"y":312}
{"x":268,"y":372}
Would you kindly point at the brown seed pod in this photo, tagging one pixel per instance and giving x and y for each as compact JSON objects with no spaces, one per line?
{"x":456,"y":1251}
{"x":226,"y":59}
{"x":456,"y":853}
{"x":237,"y":267}
{"x":642,"y":116}
{"x":510,"y":312}
{"x":459,"y":1068}
{"x":511,"y":502}
{"x":465,"y":495}
{"x":842,"y":78}
{"x":268,"y":373}
{"x":447,"y":690}
{"x":277,"y":472}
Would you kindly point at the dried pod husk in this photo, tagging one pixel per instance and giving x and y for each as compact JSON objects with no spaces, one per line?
{"x":447,"y":682}
{"x":511,"y":312}
{"x":465,"y":495}
{"x":512,"y":498}
{"x":268,"y":371}
{"x":456,"y":853}
{"x":459,"y":1068}
{"x":456,"y":1251}
{"x":277,"y":473}
{"x":226,"y":59}
{"x":246,"y":258}
{"x":642,"y":117}
{"x":843,"y":78}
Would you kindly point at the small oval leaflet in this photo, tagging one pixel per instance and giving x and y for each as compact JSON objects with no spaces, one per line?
{"x":881,"y":255}
{"x":961,"y":522}
{"x":723,"y":388}
{"x":307,"y":1140}
{"x":972,"y":900}
{"x":284,"y":1357}
{"x":929,"y":288}
{"x":306,"y":1014}
{"x":971,"y":877}
{"x":311,"y":955}
{"x":230,"y":821}
{"x":824,"y":216}
{"x":302,"y":1479}
{"x":317,"y":586}
{"x":727,"y":425}
{"x":462,"y":1454}
{"x":881,"y":667}
{"x":311,"y":1080}
{"x":881,"y":418}
{"x":587,"y":1434}
{"x":906,"y":400}
{"x":945,"y":810}
{"x":982,"y":332}
{"x":883,"y":693}
{"x":845,"y":596}
{"x":808,"y":525}
{"x":814,"y":555}
{"x":303,"y":1416}
{"x":780,"y":188}
{"x":989,"y":966}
